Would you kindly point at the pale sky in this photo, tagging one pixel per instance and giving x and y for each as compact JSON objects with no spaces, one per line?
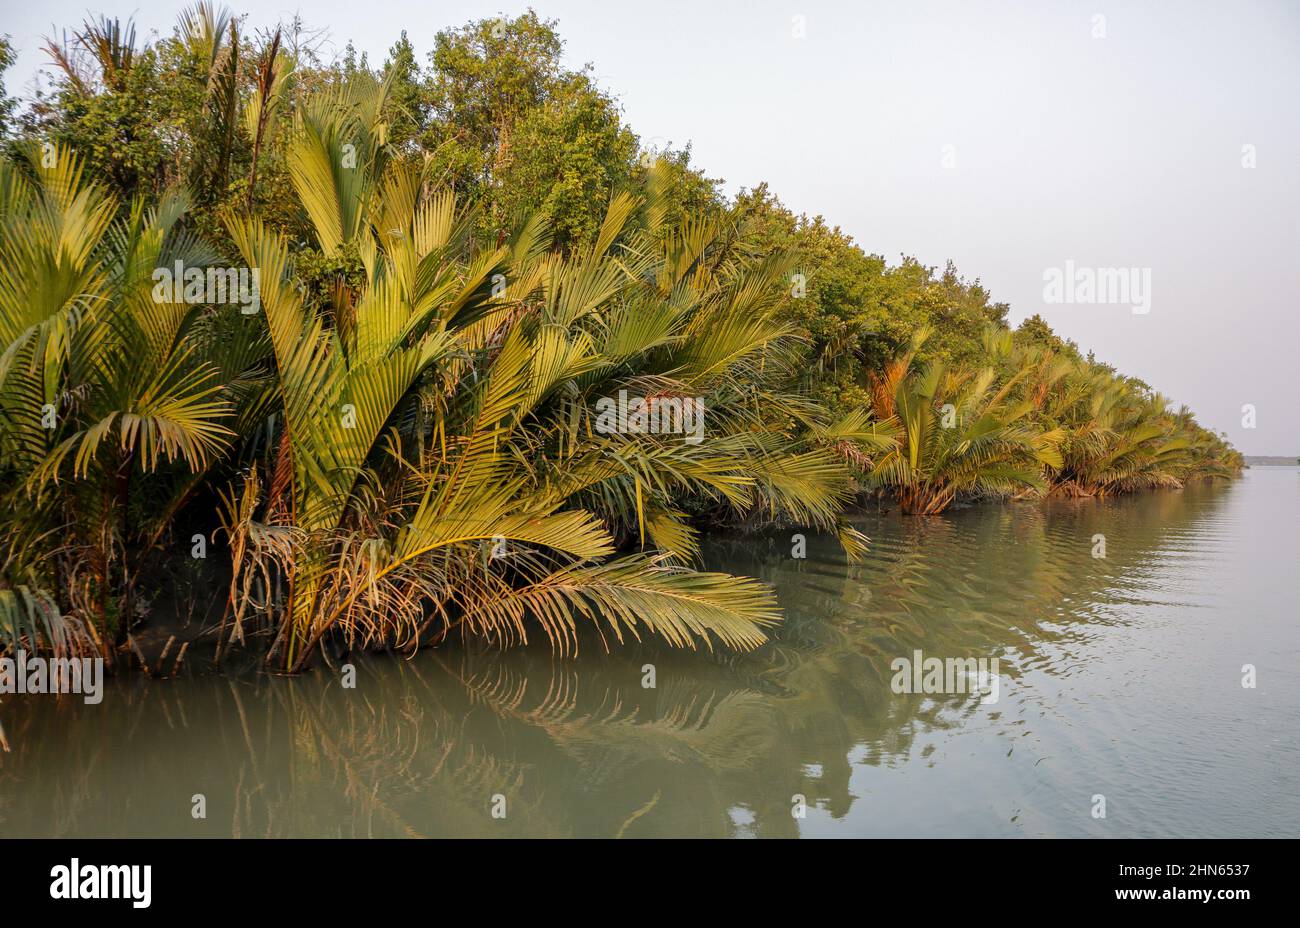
{"x":1124,"y":151}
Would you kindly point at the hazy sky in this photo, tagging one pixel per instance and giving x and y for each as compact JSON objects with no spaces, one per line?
{"x":1003,"y":136}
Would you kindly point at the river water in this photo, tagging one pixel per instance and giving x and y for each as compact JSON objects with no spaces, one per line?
{"x":1120,"y":690}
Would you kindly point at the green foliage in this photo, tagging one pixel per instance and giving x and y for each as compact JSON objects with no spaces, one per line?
{"x":457,"y":265}
{"x":408,"y":98}
{"x":857,"y":312}
{"x":111,"y":113}
{"x":517,"y":131}
{"x":7,"y":103}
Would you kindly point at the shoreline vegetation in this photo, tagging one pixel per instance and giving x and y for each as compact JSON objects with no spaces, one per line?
{"x":377,"y":426}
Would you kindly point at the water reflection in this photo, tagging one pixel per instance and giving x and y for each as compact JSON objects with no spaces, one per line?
{"x":724,"y":742}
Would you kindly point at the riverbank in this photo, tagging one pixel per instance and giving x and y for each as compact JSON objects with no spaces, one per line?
{"x":187,"y":623}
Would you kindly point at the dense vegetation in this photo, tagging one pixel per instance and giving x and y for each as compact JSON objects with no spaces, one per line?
{"x":398,"y":438}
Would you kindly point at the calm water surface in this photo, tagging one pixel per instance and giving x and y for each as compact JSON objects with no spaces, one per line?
{"x":1120,"y":677}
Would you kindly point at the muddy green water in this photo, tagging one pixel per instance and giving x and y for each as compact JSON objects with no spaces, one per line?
{"x":1120,"y":677}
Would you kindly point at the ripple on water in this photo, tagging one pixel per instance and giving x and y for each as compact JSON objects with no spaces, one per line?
{"x":1119,"y":677}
